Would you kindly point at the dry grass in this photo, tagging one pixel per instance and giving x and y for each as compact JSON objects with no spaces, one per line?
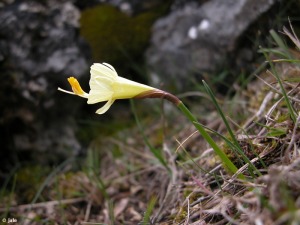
{"x":121,"y":177}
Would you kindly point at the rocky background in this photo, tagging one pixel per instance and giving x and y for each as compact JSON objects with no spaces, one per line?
{"x":171,"y":44}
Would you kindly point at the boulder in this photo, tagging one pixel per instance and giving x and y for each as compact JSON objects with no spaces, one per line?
{"x":39,"y":48}
{"x":196,"y":38}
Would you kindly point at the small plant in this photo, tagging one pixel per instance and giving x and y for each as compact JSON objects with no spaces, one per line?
{"x":106,"y":85}
{"x":263,"y":154}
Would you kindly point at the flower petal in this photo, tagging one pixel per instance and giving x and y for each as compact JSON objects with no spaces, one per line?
{"x":99,"y":96}
{"x":109,"y":66}
{"x":100,"y":83}
{"x":106,"y":106}
{"x":98,"y":69}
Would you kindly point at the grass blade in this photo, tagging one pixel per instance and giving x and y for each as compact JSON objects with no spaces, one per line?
{"x":224,"y":158}
{"x":274,"y":71}
{"x":235,"y":142}
{"x":156,"y":152}
{"x":149,"y":210}
{"x":280,"y":43}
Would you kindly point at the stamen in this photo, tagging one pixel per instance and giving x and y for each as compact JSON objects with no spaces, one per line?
{"x":75,"y":86}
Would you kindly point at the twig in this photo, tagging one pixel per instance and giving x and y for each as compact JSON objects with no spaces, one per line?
{"x":42,"y":204}
{"x":292,"y":141}
{"x":88,"y":211}
{"x":185,"y":140}
{"x":277,"y":91}
{"x":188,"y":211}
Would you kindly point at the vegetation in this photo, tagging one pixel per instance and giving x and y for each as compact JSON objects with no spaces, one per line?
{"x":162,"y":171}
{"x":116,"y":37}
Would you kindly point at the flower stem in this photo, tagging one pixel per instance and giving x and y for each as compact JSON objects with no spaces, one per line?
{"x":156,"y":93}
{"x":227,"y":162}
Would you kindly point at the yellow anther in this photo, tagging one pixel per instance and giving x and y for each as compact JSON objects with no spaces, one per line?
{"x":75,"y":86}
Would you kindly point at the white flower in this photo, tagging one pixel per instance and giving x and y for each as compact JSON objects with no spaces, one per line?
{"x":106,"y":85}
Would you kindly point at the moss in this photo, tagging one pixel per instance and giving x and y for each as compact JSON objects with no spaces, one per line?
{"x":115,"y":37}
{"x":250,"y":149}
{"x":181,"y":217}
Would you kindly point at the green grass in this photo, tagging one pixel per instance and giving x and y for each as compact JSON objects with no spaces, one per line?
{"x":236,"y":146}
{"x":147,"y":220}
{"x":287,"y":55}
{"x":195,"y":185}
{"x":156,"y":152}
{"x":224,"y":158}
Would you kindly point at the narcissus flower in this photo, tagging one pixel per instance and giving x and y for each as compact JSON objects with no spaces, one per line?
{"x":106,"y":85}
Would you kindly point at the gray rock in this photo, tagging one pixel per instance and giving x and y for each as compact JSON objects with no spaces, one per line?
{"x":133,"y":7}
{"x":39,"y":48}
{"x":130,"y":7}
{"x":42,"y":39}
{"x":196,"y":38}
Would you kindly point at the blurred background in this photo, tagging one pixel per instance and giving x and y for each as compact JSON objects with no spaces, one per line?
{"x":171,"y":45}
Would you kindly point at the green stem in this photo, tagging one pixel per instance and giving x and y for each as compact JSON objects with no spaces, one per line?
{"x":156,"y":93}
{"x":232,"y":168}
{"x":286,"y":98}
